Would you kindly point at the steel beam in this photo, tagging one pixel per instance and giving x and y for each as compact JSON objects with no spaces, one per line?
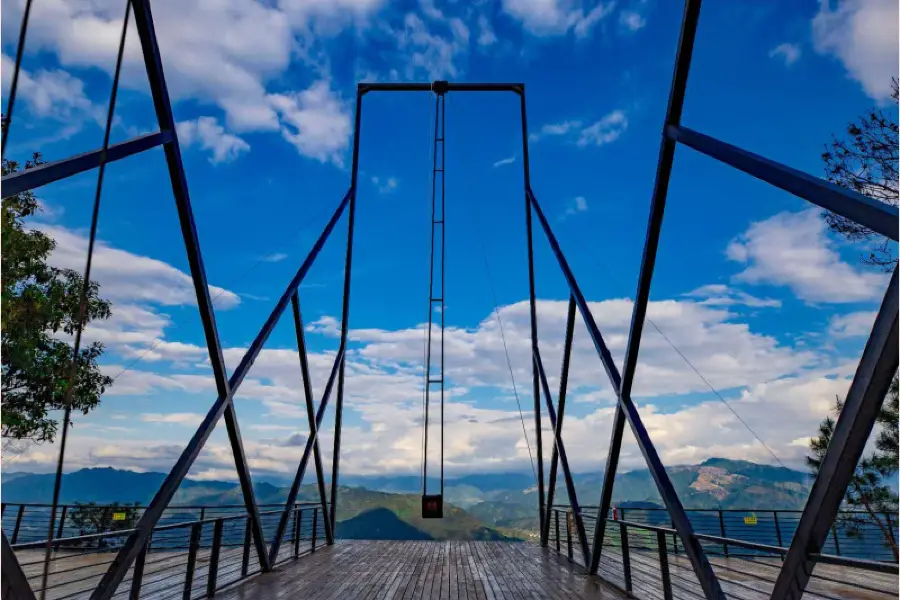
{"x":166,"y":119}
{"x":862,"y":404}
{"x":311,"y":442}
{"x":377,"y":86}
{"x":133,"y":544}
{"x":345,"y":315}
{"x":648,"y":261}
{"x":311,"y":413}
{"x":532,"y":302}
{"x":567,"y":473}
{"x":699,"y":562}
{"x":560,"y":412}
{"x":875,"y":215}
{"x":30,"y":179}
{"x":15,"y":584}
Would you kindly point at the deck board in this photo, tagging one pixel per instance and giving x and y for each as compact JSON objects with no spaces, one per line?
{"x":384,"y":570}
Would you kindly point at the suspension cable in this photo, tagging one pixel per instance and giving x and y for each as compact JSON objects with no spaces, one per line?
{"x":20,"y":50}
{"x":82,"y":305}
{"x":496,"y":311}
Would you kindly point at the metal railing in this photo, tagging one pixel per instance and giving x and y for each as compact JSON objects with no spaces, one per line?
{"x":649,"y":561}
{"x":29,"y":522}
{"x":188,"y":559}
{"x":854,"y":535}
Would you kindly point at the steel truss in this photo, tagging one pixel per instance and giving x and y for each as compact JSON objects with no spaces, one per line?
{"x":870,"y":383}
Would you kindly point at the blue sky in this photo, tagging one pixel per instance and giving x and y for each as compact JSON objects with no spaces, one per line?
{"x":749,"y":285}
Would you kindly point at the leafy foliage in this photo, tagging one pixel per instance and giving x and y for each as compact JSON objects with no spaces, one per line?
{"x":96,"y":519}
{"x":40,"y":305}
{"x":867,"y":489}
{"x":866,"y":162}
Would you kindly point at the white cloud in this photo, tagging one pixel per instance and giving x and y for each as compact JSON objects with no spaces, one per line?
{"x":857,"y":324}
{"x":505,"y":161}
{"x":429,"y":53}
{"x":607,"y":129}
{"x":578,"y":205}
{"x":176,"y":418}
{"x":721,"y":295}
{"x":385,"y":185}
{"x":316,"y":121}
{"x":789,"y":53}
{"x":554,"y":129}
{"x":53,"y":94}
{"x":274,"y":257}
{"x":126,"y":276}
{"x":556,"y":17}
{"x":863,"y":35}
{"x":486,"y":35}
{"x":793,"y":250}
{"x":209,"y":135}
{"x":631,"y":21}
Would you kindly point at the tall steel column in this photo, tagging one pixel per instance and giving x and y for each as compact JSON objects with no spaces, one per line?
{"x":345,"y":312}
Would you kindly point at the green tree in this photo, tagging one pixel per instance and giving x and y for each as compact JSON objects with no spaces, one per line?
{"x":865,"y":161}
{"x":40,"y":307}
{"x":867,"y":490}
{"x":96,"y":519}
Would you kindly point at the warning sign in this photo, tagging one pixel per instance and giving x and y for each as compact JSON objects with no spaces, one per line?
{"x":118,"y":516}
{"x":750,"y":520}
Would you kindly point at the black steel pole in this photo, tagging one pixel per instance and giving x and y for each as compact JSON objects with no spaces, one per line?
{"x":535,"y":384}
{"x":560,"y":412}
{"x":345,"y":313}
{"x":648,"y":261}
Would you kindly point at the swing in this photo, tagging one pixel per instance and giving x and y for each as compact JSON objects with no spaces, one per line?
{"x":433,"y":504}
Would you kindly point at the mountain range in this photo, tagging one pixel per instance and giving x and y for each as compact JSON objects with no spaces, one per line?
{"x":480,"y":506}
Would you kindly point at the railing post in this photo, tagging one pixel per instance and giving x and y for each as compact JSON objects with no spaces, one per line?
{"x":2,"y":509}
{"x":674,"y":540}
{"x":214,"y":558}
{"x":569,"y":535}
{"x":890,"y":528}
{"x":202,"y":513}
{"x":192,"y":560}
{"x":62,"y":521}
{"x":137,"y":575}
{"x":626,"y":556}
{"x":15,"y":535}
{"x":245,"y":560}
{"x":664,"y":564}
{"x":722,"y":530}
{"x":556,"y":519}
{"x":837,"y":545}
{"x":298,"y":528}
{"x":314,"y":526}
{"x":778,"y":533}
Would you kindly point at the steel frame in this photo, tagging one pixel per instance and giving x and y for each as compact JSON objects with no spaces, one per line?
{"x":877,"y":366}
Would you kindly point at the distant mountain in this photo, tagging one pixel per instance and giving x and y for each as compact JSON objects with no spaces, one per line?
{"x":483,"y":506}
{"x":378,"y":524}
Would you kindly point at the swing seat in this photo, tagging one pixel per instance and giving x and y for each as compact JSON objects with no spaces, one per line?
{"x":432,"y":506}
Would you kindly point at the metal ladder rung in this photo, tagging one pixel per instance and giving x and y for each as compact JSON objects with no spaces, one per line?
{"x":441,"y":381}
{"x":437,"y":299}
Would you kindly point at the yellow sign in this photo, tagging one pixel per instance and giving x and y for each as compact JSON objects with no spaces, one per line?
{"x":118,"y":516}
{"x":750,"y":520}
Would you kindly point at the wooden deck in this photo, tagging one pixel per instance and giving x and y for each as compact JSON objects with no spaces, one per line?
{"x":384,"y":570}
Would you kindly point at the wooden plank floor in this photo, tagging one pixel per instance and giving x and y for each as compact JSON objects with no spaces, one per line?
{"x":413,"y":570}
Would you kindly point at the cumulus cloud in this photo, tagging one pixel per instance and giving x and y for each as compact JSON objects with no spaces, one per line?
{"x":789,"y":53}
{"x":385,"y":185}
{"x":556,"y":17}
{"x":851,"y":325}
{"x":505,"y":161}
{"x":433,"y":48}
{"x":209,"y":135}
{"x":578,"y":205}
{"x":793,"y":250}
{"x":126,"y":276}
{"x":608,"y":129}
{"x":554,"y":129}
{"x":863,"y":35}
{"x":631,"y":21}
{"x":316,"y":121}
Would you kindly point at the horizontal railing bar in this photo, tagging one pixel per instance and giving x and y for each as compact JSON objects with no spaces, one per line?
{"x":124,"y":532}
{"x":858,"y":563}
{"x":643,"y":526}
{"x":857,"y":207}
{"x":29,"y":179}
{"x":740,"y":543}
